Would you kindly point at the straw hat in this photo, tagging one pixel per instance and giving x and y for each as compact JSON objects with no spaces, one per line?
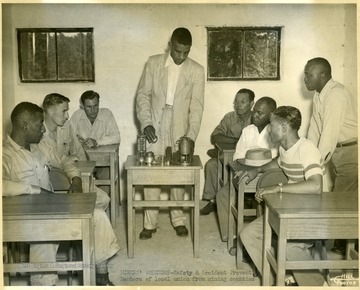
{"x":256,"y":157}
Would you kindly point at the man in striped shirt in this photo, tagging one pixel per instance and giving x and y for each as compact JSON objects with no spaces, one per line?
{"x":303,"y":165}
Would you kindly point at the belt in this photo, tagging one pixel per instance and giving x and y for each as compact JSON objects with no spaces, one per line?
{"x":339,"y":145}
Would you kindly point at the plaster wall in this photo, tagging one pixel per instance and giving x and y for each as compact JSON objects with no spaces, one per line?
{"x":125,"y":35}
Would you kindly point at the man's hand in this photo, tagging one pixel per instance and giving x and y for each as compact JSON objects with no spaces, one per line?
{"x":149,"y":132}
{"x":265,"y":190}
{"x":90,"y":142}
{"x":76,"y":185}
{"x":249,"y":174}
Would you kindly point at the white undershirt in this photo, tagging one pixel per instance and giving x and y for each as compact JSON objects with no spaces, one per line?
{"x":173,"y":76}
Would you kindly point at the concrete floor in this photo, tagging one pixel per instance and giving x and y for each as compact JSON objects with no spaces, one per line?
{"x":167,"y":259}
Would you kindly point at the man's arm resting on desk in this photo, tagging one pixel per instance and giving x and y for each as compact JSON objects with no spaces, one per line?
{"x":310,"y":186}
{"x":12,"y":188}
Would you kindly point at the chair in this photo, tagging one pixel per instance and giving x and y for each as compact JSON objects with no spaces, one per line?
{"x":59,"y":180}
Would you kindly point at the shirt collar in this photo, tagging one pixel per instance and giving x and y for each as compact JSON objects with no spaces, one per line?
{"x":325,"y":90}
{"x":170,"y":62}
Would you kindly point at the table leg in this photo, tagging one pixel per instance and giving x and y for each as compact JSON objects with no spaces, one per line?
{"x":231,"y":219}
{"x":266,"y":247}
{"x":196,"y":213}
{"x":131,"y":216}
{"x":281,"y":254}
{"x":240,"y":223}
{"x":88,"y":252}
{"x":113,"y":202}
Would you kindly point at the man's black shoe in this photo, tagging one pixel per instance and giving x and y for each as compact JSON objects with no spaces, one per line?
{"x":103,"y":280}
{"x":181,"y":231}
{"x":209,"y":208}
{"x":146,"y":234}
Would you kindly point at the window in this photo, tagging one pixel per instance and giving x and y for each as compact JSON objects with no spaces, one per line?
{"x":243,"y":53}
{"x":56,"y":55}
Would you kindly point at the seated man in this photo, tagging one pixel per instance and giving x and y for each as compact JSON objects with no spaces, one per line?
{"x":227,"y":132}
{"x":302,"y":164}
{"x":91,"y":126}
{"x":25,"y":171}
{"x":57,"y":136}
{"x":253,"y":136}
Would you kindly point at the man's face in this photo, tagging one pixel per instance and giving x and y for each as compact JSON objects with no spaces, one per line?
{"x":261,"y":114}
{"x":59,"y":113}
{"x":35,"y":128}
{"x":179,"y":52}
{"x":242,"y":104}
{"x":91,"y":108}
{"x":312,"y":77}
{"x":276,"y":129}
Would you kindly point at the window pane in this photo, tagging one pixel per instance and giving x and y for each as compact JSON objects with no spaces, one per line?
{"x":75,"y":56}
{"x":37,"y":56}
{"x":261,"y":53}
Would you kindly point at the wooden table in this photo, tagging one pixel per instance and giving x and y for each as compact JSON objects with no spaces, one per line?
{"x":108,"y":156}
{"x":225,"y":155}
{"x":238,"y":210}
{"x":87,"y":171}
{"x":162,"y":175}
{"x":330,"y":215}
{"x":52,"y":217}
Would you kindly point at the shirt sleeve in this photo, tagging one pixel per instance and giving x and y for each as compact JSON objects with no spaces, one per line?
{"x":223,"y":126}
{"x":112,"y":134}
{"x":241,"y":148}
{"x":334,"y":116}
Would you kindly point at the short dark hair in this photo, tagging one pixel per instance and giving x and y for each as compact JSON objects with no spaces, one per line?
{"x":290,"y":114}
{"x":250,"y":93}
{"x":24,"y":109}
{"x":181,"y":35}
{"x":89,"y":95}
{"x":322,"y":62}
{"x":270,"y":102}
{"x":54,"y":99}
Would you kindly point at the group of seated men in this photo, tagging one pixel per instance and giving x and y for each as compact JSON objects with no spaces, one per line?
{"x":332,"y":137}
{"x":42,"y":139}
{"x":42,"y":136}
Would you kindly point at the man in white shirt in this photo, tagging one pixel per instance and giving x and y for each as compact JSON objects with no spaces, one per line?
{"x":92,"y":126}
{"x":253,"y":136}
{"x":333,"y":128}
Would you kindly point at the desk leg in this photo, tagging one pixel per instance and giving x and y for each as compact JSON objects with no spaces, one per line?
{"x":196,"y":213}
{"x":240,"y":223}
{"x":266,"y":247}
{"x":88,"y":252}
{"x":113,"y":203}
{"x":281,"y":254}
{"x":131,"y":216}
{"x":231,"y":220}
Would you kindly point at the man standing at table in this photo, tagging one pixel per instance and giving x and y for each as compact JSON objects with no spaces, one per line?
{"x":253,"y":136}
{"x":227,"y":132}
{"x":25,"y":171}
{"x":169,"y":105}
{"x":302,"y":163}
{"x":57,"y":135}
{"x":91,"y":126}
{"x":333,"y":127}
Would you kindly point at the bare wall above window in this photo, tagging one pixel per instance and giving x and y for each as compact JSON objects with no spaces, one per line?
{"x":243,"y":53}
{"x":56,"y":54}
